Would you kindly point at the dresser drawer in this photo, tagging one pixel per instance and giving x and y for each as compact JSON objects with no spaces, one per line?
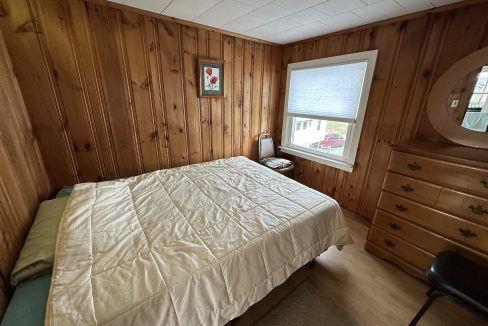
{"x":468,"y":206}
{"x":408,"y":252}
{"x":469,"y":179}
{"x":418,"y":236}
{"x":460,"y":230}
{"x":417,"y":190}
{"x":408,"y":231}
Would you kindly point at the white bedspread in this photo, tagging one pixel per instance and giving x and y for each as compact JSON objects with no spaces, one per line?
{"x":195,"y":245}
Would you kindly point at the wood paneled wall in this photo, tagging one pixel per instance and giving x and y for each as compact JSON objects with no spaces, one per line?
{"x":23,"y":179}
{"x":412,"y":55}
{"x":113,"y":93}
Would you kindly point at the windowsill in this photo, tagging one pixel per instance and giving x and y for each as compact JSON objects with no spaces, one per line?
{"x":317,"y":158}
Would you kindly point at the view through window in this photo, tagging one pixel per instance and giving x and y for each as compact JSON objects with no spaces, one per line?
{"x":321,"y":135}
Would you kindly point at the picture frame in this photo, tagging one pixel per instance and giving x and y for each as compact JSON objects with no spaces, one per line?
{"x":210,"y":77}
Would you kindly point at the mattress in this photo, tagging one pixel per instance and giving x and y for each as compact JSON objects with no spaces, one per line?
{"x":195,"y":245}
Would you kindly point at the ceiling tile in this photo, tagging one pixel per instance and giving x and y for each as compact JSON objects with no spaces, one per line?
{"x":255,"y":3}
{"x":188,"y":9}
{"x":271,"y":12}
{"x":343,"y":21}
{"x":380,"y":11}
{"x":274,"y":28}
{"x":335,"y":7}
{"x":283,"y":24}
{"x":223,"y":12}
{"x":302,"y":32}
{"x":284,"y":21}
{"x":244,"y":23}
{"x":415,"y":5}
{"x":261,"y":32}
{"x":149,"y":5}
{"x":297,"y":5}
{"x":307,"y":16}
{"x":438,"y":3}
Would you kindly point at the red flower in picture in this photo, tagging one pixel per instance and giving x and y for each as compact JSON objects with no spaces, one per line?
{"x":213,"y":80}
{"x":208,"y":71}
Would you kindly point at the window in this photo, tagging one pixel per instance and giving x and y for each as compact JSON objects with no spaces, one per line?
{"x":329,"y":96}
{"x":476,"y":116}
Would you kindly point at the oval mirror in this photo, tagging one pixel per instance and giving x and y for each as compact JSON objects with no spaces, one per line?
{"x":458,"y":103}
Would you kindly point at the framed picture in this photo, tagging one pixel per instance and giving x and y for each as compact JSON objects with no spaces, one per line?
{"x":211,"y":77}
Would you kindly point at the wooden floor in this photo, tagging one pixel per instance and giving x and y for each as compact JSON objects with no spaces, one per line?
{"x":373,"y":291}
{"x":376,"y":292}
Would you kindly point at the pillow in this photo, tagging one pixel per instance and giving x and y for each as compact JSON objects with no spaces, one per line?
{"x":37,"y":254}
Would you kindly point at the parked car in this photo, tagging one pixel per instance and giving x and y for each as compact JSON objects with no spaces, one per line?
{"x":332,"y":140}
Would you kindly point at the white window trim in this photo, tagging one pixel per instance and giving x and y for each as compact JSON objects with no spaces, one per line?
{"x":355,"y":127}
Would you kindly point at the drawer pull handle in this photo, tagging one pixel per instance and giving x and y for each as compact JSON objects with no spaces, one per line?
{"x":406,"y":188}
{"x":395,"y":226}
{"x":485,"y":183}
{"x":414,"y":166}
{"x":401,"y":208}
{"x":478,"y":210}
{"x":389,"y":243}
{"x":467,"y":233}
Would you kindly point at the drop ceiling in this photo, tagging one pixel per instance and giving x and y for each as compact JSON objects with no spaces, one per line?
{"x":284,"y":21}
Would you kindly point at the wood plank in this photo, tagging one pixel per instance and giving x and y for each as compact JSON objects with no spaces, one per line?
{"x":157,"y":91}
{"x":109,"y":58}
{"x":397,"y":97}
{"x":257,"y":92}
{"x":73,"y":105}
{"x":189,"y":46}
{"x":238,"y":76}
{"x":134,"y":33}
{"x":216,"y":104}
{"x":265,"y":97}
{"x":274,"y":93}
{"x":35,"y":77}
{"x":172,"y":83}
{"x":354,"y":186}
{"x":285,"y":60}
{"x":83,"y":45}
{"x":228,"y":105}
{"x":205,"y":103}
{"x":247,"y":101}
{"x":424,"y":76}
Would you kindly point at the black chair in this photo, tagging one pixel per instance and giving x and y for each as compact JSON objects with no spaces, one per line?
{"x":460,"y":278}
{"x":267,"y":156}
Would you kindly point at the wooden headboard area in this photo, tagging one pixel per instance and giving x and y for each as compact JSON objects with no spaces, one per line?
{"x":23,"y":179}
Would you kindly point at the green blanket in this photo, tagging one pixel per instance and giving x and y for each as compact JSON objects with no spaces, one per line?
{"x":28,"y":304}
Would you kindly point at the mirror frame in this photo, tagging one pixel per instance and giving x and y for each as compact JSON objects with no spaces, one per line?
{"x":436,"y":105}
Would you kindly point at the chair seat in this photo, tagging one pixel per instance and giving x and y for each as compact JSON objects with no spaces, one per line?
{"x":276,"y":163}
{"x":462,"y":278}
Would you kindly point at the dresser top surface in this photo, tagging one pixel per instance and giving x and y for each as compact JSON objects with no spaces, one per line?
{"x":452,"y":153}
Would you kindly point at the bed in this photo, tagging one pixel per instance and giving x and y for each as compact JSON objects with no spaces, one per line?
{"x":195,"y":245}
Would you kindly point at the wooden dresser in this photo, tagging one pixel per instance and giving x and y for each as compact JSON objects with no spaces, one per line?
{"x":433,"y":197}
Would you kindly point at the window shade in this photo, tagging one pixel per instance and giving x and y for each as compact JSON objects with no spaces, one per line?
{"x":331,"y":92}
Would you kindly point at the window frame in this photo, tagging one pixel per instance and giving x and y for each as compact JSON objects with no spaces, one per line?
{"x":346,"y":162}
